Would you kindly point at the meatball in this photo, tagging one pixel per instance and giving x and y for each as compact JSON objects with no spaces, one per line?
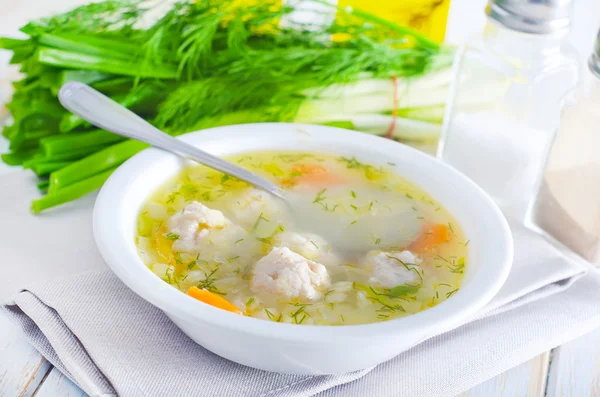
{"x":193,"y":224}
{"x":287,"y":275}
{"x":391,"y":269}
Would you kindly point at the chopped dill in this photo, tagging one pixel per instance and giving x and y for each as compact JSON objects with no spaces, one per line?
{"x":386,"y":300}
{"x":402,"y":290}
{"x":406,"y":266}
{"x":172,"y":236}
{"x":467,"y":243}
{"x":260,"y":218}
{"x":355,"y":208}
{"x":295,"y":314}
{"x":420,"y":217}
{"x":392,"y":164}
{"x":250,"y":301}
{"x":352,"y":162}
{"x":342,"y":317}
{"x":377,"y":241}
{"x":209,"y":282}
{"x":281,"y":228}
{"x":266,"y":240}
{"x":409,"y":196}
{"x":178,"y":258}
{"x":172,"y":197}
{"x":320,"y":199}
{"x":320,"y":196}
{"x":189,"y":189}
{"x":459,"y":267}
{"x":313,"y":243}
{"x":449,"y":294}
{"x":370,"y":171}
{"x":238,"y":241}
{"x":269,"y":314}
{"x":450,"y":227}
{"x":353,"y":193}
{"x":370,"y":205}
{"x":442,"y":258}
{"x":206,"y":197}
{"x":232,"y":259}
{"x":414,"y":209}
{"x":298,"y":304}
{"x":353,"y":222}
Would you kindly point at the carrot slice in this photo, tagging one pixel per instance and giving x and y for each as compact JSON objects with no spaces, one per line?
{"x":312,"y":174}
{"x":431,"y":236}
{"x":213,"y":299}
{"x":309,"y":169}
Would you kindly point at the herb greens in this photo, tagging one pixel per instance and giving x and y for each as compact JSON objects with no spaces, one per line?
{"x":201,"y":64}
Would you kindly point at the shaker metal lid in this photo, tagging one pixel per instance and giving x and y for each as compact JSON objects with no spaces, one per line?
{"x":532,"y":16}
{"x":594,"y":61}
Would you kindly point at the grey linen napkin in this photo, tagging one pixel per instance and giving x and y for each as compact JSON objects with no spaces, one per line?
{"x":109,"y":341}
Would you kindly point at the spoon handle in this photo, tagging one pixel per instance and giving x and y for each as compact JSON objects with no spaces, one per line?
{"x":103,"y":112}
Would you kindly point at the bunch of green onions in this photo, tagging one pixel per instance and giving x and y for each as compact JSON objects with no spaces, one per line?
{"x":210,"y":63}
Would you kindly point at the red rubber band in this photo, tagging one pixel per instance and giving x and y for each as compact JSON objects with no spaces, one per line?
{"x":390,"y":131}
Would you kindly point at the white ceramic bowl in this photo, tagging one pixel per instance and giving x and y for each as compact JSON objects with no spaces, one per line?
{"x":293,"y":348}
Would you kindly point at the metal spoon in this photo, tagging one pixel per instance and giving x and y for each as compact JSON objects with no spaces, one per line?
{"x":103,"y":112}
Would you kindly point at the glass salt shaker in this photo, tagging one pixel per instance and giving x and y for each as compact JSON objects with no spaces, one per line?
{"x":567,"y":205}
{"x":504,"y":102}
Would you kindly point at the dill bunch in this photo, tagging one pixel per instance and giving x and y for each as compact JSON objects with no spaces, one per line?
{"x":243,"y":58}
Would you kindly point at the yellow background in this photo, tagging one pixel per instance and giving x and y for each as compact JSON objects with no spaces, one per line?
{"x":428,"y":16}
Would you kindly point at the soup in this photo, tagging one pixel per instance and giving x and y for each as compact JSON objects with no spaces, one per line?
{"x":238,"y":248}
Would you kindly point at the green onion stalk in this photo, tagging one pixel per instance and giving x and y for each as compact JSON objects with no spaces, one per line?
{"x":207,"y":63}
